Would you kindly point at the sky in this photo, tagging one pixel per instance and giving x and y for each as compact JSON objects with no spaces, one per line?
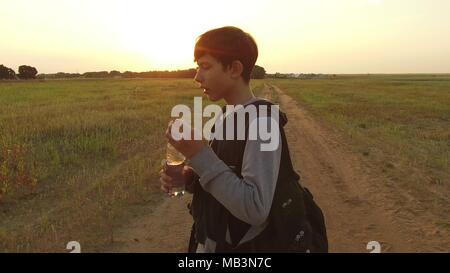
{"x":297,"y":36}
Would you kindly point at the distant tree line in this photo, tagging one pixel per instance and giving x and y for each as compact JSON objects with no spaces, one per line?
{"x":25,"y":72}
{"x":29,"y":72}
{"x":187,"y":73}
{"x":258,"y":72}
{"x":302,"y":76}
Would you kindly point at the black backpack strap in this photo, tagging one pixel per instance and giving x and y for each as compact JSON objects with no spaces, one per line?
{"x":193,"y":244}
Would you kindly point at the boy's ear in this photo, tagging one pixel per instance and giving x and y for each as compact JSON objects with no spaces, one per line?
{"x":236,"y":69}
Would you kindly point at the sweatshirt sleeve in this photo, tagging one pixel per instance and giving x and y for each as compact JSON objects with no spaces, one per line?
{"x":248,"y":198}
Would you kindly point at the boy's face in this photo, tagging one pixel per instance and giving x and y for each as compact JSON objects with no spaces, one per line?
{"x":214,"y":79}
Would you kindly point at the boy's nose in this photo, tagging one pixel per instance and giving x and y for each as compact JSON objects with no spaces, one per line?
{"x":197,"y":78}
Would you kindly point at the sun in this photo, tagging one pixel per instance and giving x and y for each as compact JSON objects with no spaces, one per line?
{"x":159,"y":37}
{"x":163,"y":49}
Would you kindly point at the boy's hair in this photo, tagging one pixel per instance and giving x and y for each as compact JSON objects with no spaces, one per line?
{"x":228,"y":44}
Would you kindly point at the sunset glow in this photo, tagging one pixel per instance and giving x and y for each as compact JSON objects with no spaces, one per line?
{"x":323,"y":36}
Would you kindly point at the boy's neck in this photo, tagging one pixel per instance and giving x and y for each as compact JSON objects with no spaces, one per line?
{"x":239,"y":95}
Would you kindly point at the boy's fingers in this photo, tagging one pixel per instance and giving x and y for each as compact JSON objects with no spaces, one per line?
{"x":165,"y":183}
{"x":169,"y":130}
{"x":162,"y":180}
{"x":165,"y":177}
{"x":187,"y":171}
{"x":164,"y":189}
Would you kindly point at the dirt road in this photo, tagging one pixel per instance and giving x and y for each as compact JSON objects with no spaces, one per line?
{"x":358,"y":205}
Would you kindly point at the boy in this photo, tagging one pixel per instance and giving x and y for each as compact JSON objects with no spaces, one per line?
{"x":233,"y":181}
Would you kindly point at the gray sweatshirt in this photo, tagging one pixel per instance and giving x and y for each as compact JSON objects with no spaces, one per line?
{"x":249,"y":198}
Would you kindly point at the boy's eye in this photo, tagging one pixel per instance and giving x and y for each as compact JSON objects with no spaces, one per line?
{"x":203,"y":66}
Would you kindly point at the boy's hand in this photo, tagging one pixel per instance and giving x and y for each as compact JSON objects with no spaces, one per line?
{"x":188,"y":148}
{"x":166,"y":180}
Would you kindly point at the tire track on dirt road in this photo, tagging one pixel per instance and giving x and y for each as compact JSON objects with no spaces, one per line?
{"x":357,"y":207}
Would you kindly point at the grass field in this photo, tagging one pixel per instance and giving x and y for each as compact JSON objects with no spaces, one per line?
{"x":80,"y":158}
{"x":401,"y":123}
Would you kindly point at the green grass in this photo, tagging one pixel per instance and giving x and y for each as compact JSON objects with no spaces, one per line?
{"x":80,"y":158}
{"x":401,"y":122}
{"x":95,"y":150}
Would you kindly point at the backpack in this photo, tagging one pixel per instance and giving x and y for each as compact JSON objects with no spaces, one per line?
{"x":296,"y":222}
